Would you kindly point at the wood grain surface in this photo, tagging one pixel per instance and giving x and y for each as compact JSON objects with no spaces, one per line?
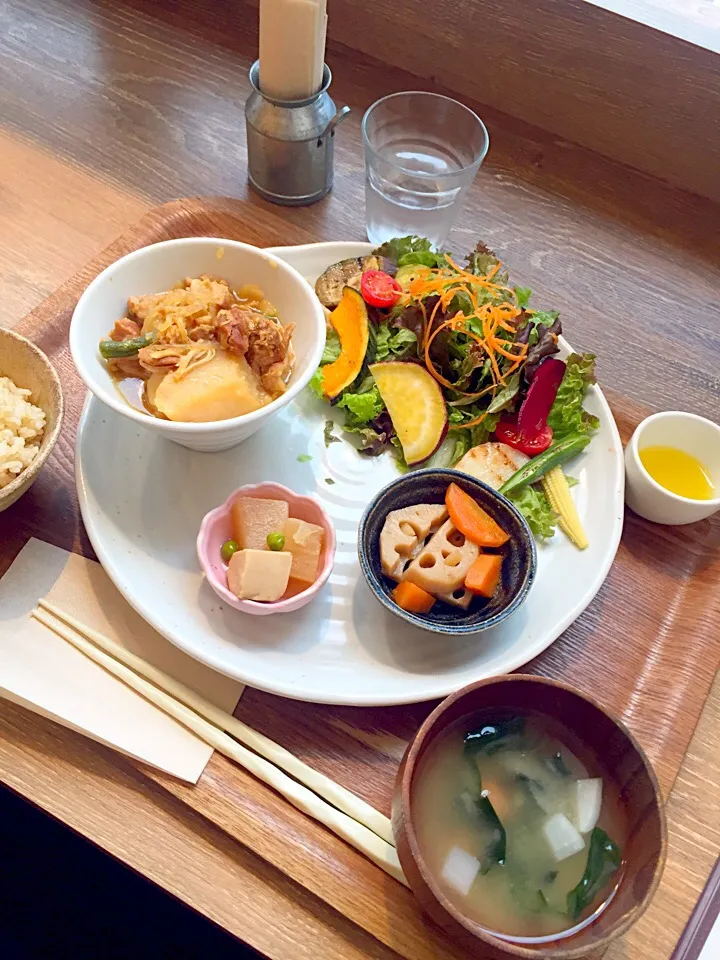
{"x":654,"y":99}
{"x":627,"y":259}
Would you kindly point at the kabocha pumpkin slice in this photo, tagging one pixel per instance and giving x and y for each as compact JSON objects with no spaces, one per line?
{"x":350,"y":321}
{"x":470,"y":519}
{"x":416,"y":407}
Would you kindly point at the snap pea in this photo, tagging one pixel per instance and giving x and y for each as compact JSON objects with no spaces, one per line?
{"x":113,"y":349}
{"x":555,"y":454}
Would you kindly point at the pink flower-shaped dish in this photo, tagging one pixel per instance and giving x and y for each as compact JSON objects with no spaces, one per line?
{"x":216,"y":529}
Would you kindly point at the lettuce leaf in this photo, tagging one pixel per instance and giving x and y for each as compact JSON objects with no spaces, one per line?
{"x":534,"y":506}
{"x":393,"y":343}
{"x":505,"y":399}
{"x":407,"y":250}
{"x":523,"y":295}
{"x":316,"y":384}
{"x":330,"y":355}
{"x":332,"y":347}
{"x":567,"y":414}
{"x":482,"y":260}
{"x":362,"y":406}
{"x":470,"y":436}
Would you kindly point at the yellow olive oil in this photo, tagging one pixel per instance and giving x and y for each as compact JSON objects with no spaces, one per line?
{"x":678,"y":472}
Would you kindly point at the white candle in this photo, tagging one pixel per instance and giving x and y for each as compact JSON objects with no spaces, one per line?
{"x":292,"y":47}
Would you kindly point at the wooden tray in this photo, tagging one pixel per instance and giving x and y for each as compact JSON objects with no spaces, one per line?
{"x":646,"y":646}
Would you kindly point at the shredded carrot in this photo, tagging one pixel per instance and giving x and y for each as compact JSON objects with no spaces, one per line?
{"x":496,"y":314}
{"x":470,"y":423}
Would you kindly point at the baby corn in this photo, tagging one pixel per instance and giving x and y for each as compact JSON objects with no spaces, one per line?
{"x":556,"y":488}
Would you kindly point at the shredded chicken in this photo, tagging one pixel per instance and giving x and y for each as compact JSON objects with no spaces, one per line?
{"x":233,"y":329}
{"x":269,"y":343}
{"x":191,"y":321}
{"x":178,"y":357}
{"x":186,"y":313}
{"x":125,"y":329}
{"x":263,"y":342}
{"x":127,"y":367}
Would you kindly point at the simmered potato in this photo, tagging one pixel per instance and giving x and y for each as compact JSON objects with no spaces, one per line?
{"x":223,"y":387}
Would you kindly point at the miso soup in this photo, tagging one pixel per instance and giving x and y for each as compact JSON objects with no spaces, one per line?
{"x":520,"y":829}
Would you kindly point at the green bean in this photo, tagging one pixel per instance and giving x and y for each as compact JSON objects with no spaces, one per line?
{"x":555,"y":454}
{"x":114,"y":349}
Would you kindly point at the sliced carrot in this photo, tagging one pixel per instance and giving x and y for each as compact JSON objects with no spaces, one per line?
{"x":484,"y":575}
{"x":412,"y":598}
{"x":471,"y":520}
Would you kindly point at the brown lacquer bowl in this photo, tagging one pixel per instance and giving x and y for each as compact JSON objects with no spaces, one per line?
{"x":619,"y":756}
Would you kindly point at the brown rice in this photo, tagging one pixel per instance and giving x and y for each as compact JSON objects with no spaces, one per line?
{"x":21,"y":430}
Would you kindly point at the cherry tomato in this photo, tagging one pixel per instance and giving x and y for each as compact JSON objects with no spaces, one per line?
{"x":379,"y":289}
{"x":507,"y":431}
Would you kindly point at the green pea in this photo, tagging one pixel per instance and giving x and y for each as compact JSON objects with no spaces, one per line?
{"x":276,"y":541}
{"x":228,"y":549}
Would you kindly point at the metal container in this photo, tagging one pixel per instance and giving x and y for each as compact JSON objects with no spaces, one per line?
{"x":290,"y":143}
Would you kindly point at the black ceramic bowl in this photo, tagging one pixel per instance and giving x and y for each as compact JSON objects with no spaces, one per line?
{"x":429,"y":486}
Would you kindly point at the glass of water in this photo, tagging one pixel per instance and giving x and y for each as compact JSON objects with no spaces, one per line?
{"x":422,"y":152}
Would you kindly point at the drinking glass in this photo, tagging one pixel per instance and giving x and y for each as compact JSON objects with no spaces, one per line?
{"x":422,"y":152}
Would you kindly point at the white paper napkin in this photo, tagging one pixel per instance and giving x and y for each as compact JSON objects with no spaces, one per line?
{"x":46,"y":674}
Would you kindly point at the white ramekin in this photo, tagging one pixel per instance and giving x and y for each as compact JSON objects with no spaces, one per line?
{"x":684,"y":431}
{"x":163,"y":265}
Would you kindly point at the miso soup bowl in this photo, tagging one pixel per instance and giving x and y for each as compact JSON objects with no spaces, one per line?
{"x":162,"y":266}
{"x":619,"y":757}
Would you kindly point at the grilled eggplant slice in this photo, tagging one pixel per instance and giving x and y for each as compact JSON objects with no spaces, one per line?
{"x":347,"y":273}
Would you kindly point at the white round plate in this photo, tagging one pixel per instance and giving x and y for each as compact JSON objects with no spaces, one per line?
{"x":142,"y":500}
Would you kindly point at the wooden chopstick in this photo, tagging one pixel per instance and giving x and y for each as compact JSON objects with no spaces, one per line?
{"x":354,"y":832}
{"x":338,"y":796}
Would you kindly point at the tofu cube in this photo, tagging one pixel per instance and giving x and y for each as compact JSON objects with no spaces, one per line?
{"x":254,"y":518}
{"x":304,"y":541}
{"x":259,"y":574}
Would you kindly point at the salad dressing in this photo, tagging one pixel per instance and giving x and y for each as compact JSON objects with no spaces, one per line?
{"x":678,"y":471}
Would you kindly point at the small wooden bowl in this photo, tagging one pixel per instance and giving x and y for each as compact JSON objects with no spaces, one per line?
{"x":28,"y":367}
{"x":620,"y":757}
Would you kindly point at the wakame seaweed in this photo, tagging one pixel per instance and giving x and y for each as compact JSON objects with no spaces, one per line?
{"x":491,"y":737}
{"x":603,"y":860}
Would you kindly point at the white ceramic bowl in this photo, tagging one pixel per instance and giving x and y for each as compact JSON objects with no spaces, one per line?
{"x":684,"y":431}
{"x":163,"y":265}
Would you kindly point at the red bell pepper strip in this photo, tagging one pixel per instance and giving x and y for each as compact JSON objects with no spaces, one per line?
{"x":540,"y":397}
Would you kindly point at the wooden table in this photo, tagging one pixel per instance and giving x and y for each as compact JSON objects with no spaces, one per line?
{"x":108,"y":109}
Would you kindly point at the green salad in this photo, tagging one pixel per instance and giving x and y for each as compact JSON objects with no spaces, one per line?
{"x":448,"y":364}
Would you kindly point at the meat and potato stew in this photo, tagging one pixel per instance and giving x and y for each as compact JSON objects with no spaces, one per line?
{"x":200,"y":352}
